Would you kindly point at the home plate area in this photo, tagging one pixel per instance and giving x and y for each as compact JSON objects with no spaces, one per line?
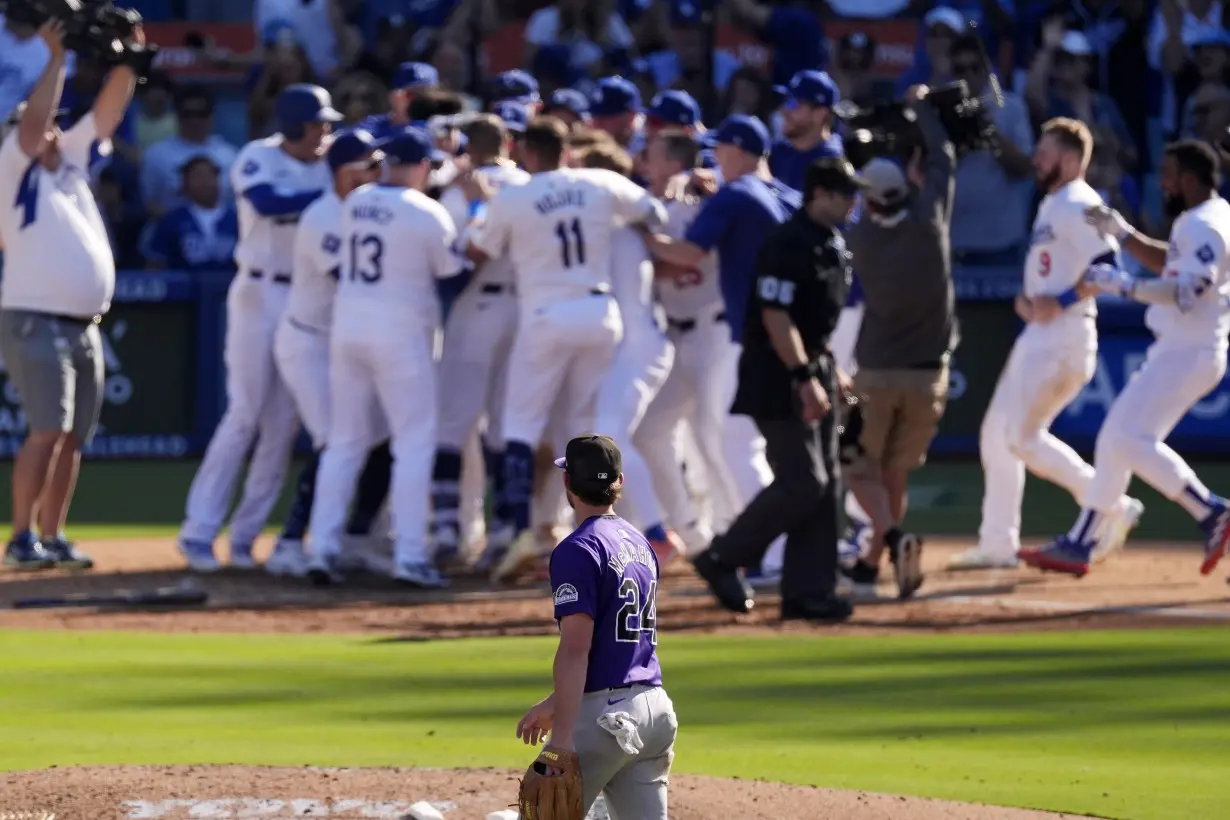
{"x":269,"y":793}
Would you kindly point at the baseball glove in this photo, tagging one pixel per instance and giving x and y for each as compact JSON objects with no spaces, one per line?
{"x":552,"y":796}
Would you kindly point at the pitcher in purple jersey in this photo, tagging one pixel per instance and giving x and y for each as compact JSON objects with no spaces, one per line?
{"x":608,"y":704}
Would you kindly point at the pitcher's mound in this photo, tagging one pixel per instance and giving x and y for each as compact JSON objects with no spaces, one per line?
{"x":279,"y":793}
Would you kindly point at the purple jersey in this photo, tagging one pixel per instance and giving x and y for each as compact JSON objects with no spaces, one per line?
{"x":607,"y":570}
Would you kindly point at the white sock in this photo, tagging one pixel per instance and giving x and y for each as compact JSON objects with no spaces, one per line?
{"x":1199,"y":502}
{"x":1086,"y":527}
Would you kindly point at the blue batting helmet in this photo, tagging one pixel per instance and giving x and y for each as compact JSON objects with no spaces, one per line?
{"x":300,"y":104}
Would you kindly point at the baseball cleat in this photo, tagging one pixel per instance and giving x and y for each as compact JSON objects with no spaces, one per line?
{"x":1061,"y":555}
{"x":199,"y":555}
{"x":499,"y":537}
{"x":287,"y":559}
{"x":520,"y":558}
{"x":858,"y":579}
{"x":25,"y":552}
{"x":1216,"y":539}
{"x":727,"y":585}
{"x":241,"y":557}
{"x":669,"y":548}
{"x":761,"y":578}
{"x":322,"y":571}
{"x":1116,"y":530}
{"x":983,"y":558}
{"x":419,"y":575}
{"x":907,"y":564}
{"x":66,"y":555}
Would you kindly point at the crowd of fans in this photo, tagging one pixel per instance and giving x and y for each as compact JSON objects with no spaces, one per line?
{"x":1138,"y":72}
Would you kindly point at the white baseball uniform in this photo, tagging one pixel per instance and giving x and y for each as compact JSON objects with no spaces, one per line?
{"x":700,"y":390}
{"x":396,"y":242}
{"x":1048,"y":367}
{"x":1185,"y":363}
{"x":259,"y":406}
{"x":473,"y":368}
{"x":640,"y":368}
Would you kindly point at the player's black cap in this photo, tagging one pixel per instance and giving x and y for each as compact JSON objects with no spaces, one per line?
{"x":834,"y":174}
{"x":592,"y":459}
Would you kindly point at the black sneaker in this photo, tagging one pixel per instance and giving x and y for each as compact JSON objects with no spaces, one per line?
{"x":26,"y":553}
{"x":66,"y":555}
{"x":859,"y":578}
{"x":831,"y":609}
{"x":727,"y":585}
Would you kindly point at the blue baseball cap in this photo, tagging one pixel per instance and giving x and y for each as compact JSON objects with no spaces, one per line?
{"x":554,"y":62}
{"x":570,"y":99}
{"x":614,"y":96}
{"x":279,"y":31}
{"x":515,"y":115}
{"x":351,"y":146}
{"x":744,"y":132}
{"x":675,"y":108}
{"x":410,"y":145}
{"x":515,"y":85}
{"x":812,"y":87}
{"x":415,"y":75}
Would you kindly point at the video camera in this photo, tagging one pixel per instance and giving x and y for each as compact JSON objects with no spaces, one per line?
{"x":94,"y":29}
{"x":891,"y":129}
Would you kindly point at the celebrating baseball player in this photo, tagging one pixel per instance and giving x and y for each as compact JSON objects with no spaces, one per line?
{"x":396,"y":243}
{"x":277,"y":179}
{"x":610,"y":723}
{"x":480,"y":331}
{"x":1053,"y":358}
{"x":641,"y":366}
{"x":557,"y":230}
{"x":1189,"y":314}
{"x":301,"y":345}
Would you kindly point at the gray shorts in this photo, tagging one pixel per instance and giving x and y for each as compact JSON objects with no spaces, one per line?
{"x":56,"y":364}
{"x":634,"y":785}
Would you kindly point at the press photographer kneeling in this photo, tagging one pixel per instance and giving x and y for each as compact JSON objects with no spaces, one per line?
{"x":59,"y":276}
{"x":901,"y":251}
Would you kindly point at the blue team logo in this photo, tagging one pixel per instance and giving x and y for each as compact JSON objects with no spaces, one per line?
{"x":250,"y":167}
{"x":566,"y":594}
{"x":332,"y":244}
{"x":1205,"y":254}
{"x":1042,"y":233}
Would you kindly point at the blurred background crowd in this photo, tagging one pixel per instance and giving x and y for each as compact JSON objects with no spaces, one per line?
{"x":1139,"y":72}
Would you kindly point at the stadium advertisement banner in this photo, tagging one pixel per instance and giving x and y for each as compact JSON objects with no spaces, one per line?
{"x":200,"y":50}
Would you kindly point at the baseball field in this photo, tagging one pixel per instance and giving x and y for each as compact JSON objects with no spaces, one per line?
{"x":1103,"y":697}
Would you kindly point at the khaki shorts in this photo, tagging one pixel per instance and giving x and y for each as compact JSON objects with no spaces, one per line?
{"x":901,"y":412}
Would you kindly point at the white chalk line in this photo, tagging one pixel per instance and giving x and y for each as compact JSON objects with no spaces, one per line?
{"x":1163,"y":610}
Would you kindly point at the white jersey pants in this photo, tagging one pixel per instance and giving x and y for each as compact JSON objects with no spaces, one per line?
{"x":259,"y":407}
{"x":1172,"y":380}
{"x":302,"y":356}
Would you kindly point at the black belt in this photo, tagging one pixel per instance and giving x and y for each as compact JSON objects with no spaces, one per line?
{"x":78,"y":320}
{"x":495,"y":288}
{"x":277,"y":278}
{"x":602,"y":290}
{"x":686,"y":325}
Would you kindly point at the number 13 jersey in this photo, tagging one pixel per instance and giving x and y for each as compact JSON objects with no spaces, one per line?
{"x":557,"y":230}
{"x":606,"y":569}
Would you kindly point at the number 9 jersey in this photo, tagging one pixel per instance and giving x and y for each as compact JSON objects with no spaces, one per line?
{"x":395,"y":243}
{"x":1063,"y":244}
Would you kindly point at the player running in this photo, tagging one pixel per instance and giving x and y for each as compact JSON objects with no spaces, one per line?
{"x":612,"y":726}
{"x":1054,"y":357}
{"x":396,"y":243}
{"x":1189,"y":314}
{"x":276,"y":180}
{"x":557,"y":230}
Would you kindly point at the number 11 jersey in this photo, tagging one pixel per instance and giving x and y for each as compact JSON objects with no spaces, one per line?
{"x":557,"y":230}
{"x":606,"y":569}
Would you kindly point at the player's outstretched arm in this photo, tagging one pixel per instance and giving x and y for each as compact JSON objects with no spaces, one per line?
{"x":1150,"y":252}
{"x":576,"y":635}
{"x":116,"y":95}
{"x":40,"y":111}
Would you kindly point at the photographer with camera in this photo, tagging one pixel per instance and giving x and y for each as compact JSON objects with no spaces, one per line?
{"x":59,"y":277}
{"x":901,"y":252}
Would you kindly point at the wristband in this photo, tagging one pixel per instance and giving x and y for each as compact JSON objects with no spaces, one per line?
{"x":1068,"y":298}
{"x":478,"y":209}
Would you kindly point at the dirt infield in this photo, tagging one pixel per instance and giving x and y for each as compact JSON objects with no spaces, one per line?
{"x":180,"y":793}
{"x":1144,"y":586}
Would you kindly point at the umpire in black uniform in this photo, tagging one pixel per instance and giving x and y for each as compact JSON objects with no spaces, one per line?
{"x":788,"y":384}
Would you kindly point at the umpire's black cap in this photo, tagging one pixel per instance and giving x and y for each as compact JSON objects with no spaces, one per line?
{"x":834,"y":174}
{"x":593,"y":460}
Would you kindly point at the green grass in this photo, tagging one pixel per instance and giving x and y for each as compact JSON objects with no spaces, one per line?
{"x":946,"y":499}
{"x":1116,"y":724}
